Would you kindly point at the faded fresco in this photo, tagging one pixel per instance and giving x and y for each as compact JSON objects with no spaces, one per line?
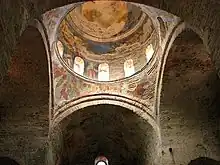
{"x":77,"y":51}
{"x":107,"y":32}
{"x":69,"y":87}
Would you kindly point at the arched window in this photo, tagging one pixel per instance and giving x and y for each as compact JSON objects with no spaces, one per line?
{"x":129,"y":68}
{"x":60,"y":48}
{"x":79,"y":65}
{"x":149,"y":52}
{"x":103,"y":72}
{"x":101,"y":160}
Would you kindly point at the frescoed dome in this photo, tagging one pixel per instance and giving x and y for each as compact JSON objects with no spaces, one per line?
{"x":107,"y":33}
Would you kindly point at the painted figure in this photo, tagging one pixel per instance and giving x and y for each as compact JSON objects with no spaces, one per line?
{"x":91,"y":70}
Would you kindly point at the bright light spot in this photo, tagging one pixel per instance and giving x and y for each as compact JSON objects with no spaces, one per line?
{"x":79,"y":65}
{"x":101,"y":160}
{"x":60,"y":48}
{"x":129,"y":68}
{"x":101,"y":163}
{"x":103,"y":72}
{"x":149,"y":52}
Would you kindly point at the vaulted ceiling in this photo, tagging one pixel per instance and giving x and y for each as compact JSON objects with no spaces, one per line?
{"x":202,"y":15}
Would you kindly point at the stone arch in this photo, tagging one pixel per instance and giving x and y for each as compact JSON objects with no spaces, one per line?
{"x":178,"y":30}
{"x":193,"y":12}
{"x":100,"y":110}
{"x":204,"y":161}
{"x":189,"y":92}
{"x":206,"y":24}
{"x":42,"y":30}
{"x":25,"y":99}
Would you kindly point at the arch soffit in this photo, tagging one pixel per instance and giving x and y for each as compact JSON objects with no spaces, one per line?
{"x":104,"y":99}
{"x":179,"y":29}
{"x":37,"y":24}
{"x":40,"y":27}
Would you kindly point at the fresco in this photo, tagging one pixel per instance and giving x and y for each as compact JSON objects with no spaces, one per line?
{"x":51,"y":19}
{"x":91,"y":70}
{"x":128,"y":42}
{"x":115,"y":50}
{"x":69,"y":36}
{"x":68,"y":87}
{"x":104,"y":19}
{"x":64,"y":83}
{"x":109,"y":17}
{"x":100,"y":48}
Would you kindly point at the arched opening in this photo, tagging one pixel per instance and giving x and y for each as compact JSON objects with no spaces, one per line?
{"x":204,"y":161}
{"x":24,"y":98}
{"x":105,"y":130}
{"x":8,"y":161}
{"x":103,"y":72}
{"x":149,"y":52}
{"x":60,"y":48}
{"x":189,"y":108}
{"x":101,"y":160}
{"x":129,"y":68}
{"x":79,"y":65}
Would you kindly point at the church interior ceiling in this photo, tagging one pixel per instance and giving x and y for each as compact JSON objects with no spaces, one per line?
{"x":107,"y":32}
{"x":106,"y":47}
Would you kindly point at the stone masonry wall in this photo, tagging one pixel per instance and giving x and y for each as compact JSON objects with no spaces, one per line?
{"x":24,"y":103}
{"x":189,"y":110}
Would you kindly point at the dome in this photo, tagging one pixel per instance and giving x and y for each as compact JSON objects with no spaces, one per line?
{"x":106,"y":40}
